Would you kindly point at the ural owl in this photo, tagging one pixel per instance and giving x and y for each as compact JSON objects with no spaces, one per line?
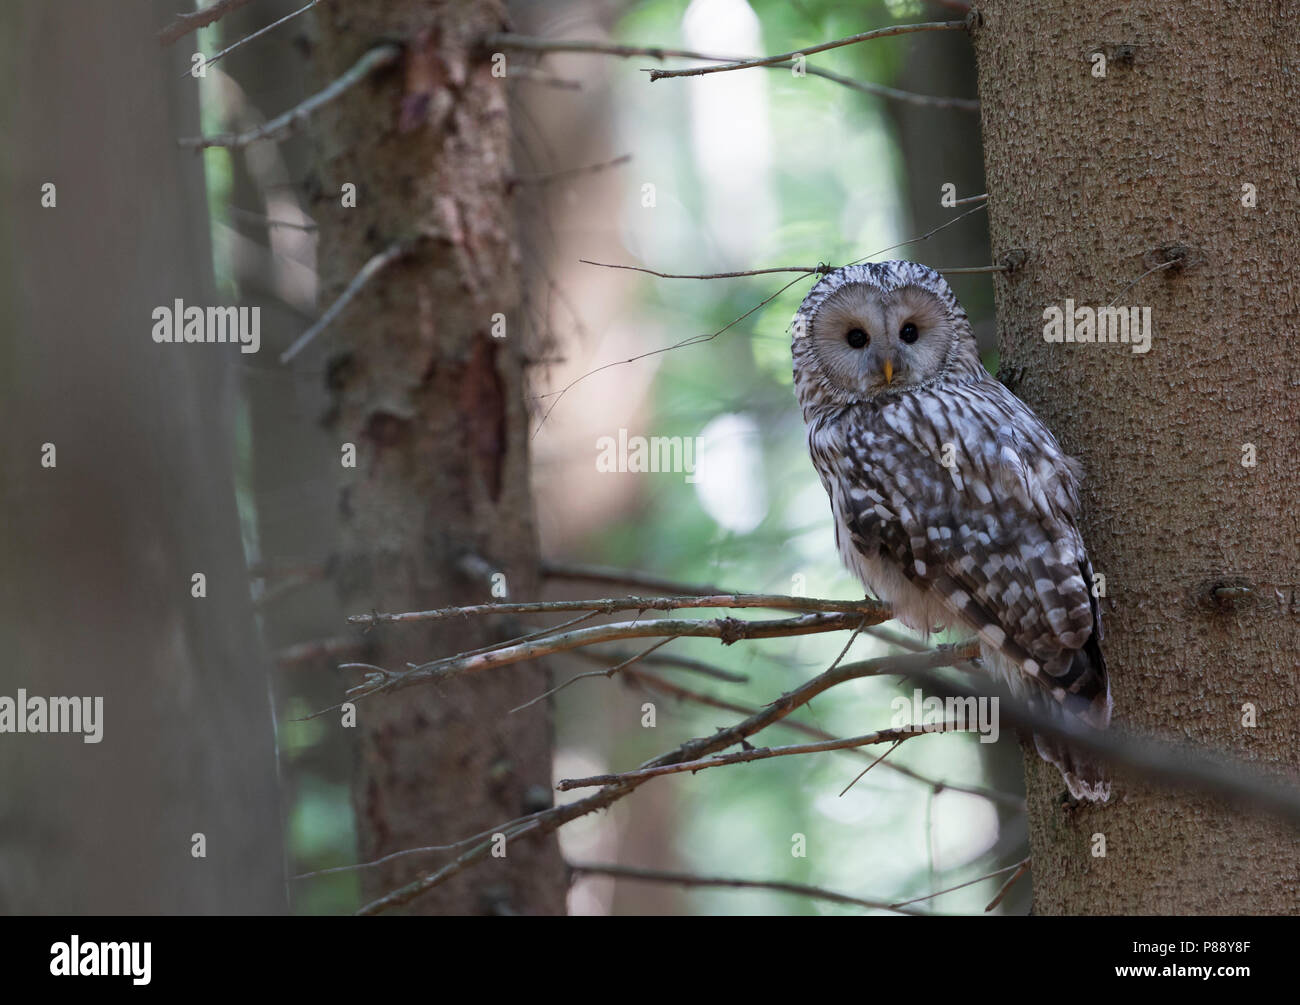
{"x":952,"y":501}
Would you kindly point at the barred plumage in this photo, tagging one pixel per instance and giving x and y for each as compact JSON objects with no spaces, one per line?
{"x":952,"y":501}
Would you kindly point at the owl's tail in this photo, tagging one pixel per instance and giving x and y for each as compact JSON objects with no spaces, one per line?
{"x":1084,"y":775}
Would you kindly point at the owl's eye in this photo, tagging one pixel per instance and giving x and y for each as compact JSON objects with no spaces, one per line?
{"x":908,"y":333}
{"x":856,"y":337}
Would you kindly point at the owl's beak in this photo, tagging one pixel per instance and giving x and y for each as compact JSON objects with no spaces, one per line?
{"x":888,"y":368}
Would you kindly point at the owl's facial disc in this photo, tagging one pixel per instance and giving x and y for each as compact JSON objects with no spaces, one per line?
{"x":871,"y":341}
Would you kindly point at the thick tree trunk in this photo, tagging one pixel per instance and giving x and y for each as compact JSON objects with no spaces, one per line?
{"x":98,"y":551}
{"x":439,"y":500}
{"x":1096,"y":178}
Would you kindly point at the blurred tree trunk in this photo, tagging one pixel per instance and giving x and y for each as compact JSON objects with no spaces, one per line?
{"x":1094,"y":177}
{"x":294,"y":459}
{"x":98,"y":551}
{"x":439,"y":501}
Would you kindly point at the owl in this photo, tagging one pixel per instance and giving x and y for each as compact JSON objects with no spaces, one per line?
{"x":952,"y":501}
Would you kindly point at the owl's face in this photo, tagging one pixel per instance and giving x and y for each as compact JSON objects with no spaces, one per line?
{"x":870,"y":330}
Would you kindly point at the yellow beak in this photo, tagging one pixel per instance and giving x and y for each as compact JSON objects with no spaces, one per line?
{"x":889,"y":371}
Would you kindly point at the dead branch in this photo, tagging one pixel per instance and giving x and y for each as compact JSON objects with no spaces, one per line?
{"x":208,"y":61}
{"x":959,"y":886}
{"x":728,"y":630}
{"x":623,"y":577}
{"x":527,"y":43}
{"x":868,"y":607}
{"x":376,"y":59}
{"x":891,"y":735}
{"x":652,"y":682}
{"x":377,"y":264}
{"x":689,"y":879}
{"x":1006,"y":887}
{"x":866,"y":36}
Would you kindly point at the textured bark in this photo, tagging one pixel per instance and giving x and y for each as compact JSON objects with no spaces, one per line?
{"x":440,"y":497}
{"x":1091,"y":176}
{"x":97,"y":552}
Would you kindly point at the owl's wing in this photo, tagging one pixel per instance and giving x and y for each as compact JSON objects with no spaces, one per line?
{"x":969,"y":495}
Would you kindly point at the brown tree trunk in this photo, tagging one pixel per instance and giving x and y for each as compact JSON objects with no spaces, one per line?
{"x":1097,"y":178}
{"x":439,"y":500}
{"x":98,"y":551}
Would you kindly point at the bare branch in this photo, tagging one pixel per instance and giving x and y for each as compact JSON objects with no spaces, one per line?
{"x":891,"y":735}
{"x":376,"y":59}
{"x":959,"y":886}
{"x":866,"y":36}
{"x":818,"y":269}
{"x":208,"y":61}
{"x":623,"y":577}
{"x":543,"y":45}
{"x":265,"y":220}
{"x":688,"y":879}
{"x":1006,"y":887}
{"x":692,"y":340}
{"x":546,"y":179}
{"x":531,"y":76}
{"x":381,"y":261}
{"x":652,"y":682}
{"x":728,"y":630}
{"x":668,"y":660}
{"x":607,"y":673}
{"x":859,"y":776}
{"x":770,"y":601}
{"x":186,"y":23}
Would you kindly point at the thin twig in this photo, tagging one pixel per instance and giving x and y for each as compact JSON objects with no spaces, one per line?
{"x":924,"y":237}
{"x":396,"y":250}
{"x":354,"y":866}
{"x":529,"y":75}
{"x":866,"y":36}
{"x":689,"y":879}
{"x":728,"y":630}
{"x":668,"y":660}
{"x":528,"y":43}
{"x":858,"y":777}
{"x":652,"y":682}
{"x":636,"y":657}
{"x":376,"y":59}
{"x":1156,"y":268}
{"x":609,"y":605}
{"x":959,"y":886}
{"x":692,"y":340}
{"x":553,"y":176}
{"x":261,"y":218}
{"x":208,"y":61}
{"x":1006,"y":887}
{"x":193,"y":21}
{"x":893,"y":733}
{"x":624,"y":577}
{"x":819,"y":269}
